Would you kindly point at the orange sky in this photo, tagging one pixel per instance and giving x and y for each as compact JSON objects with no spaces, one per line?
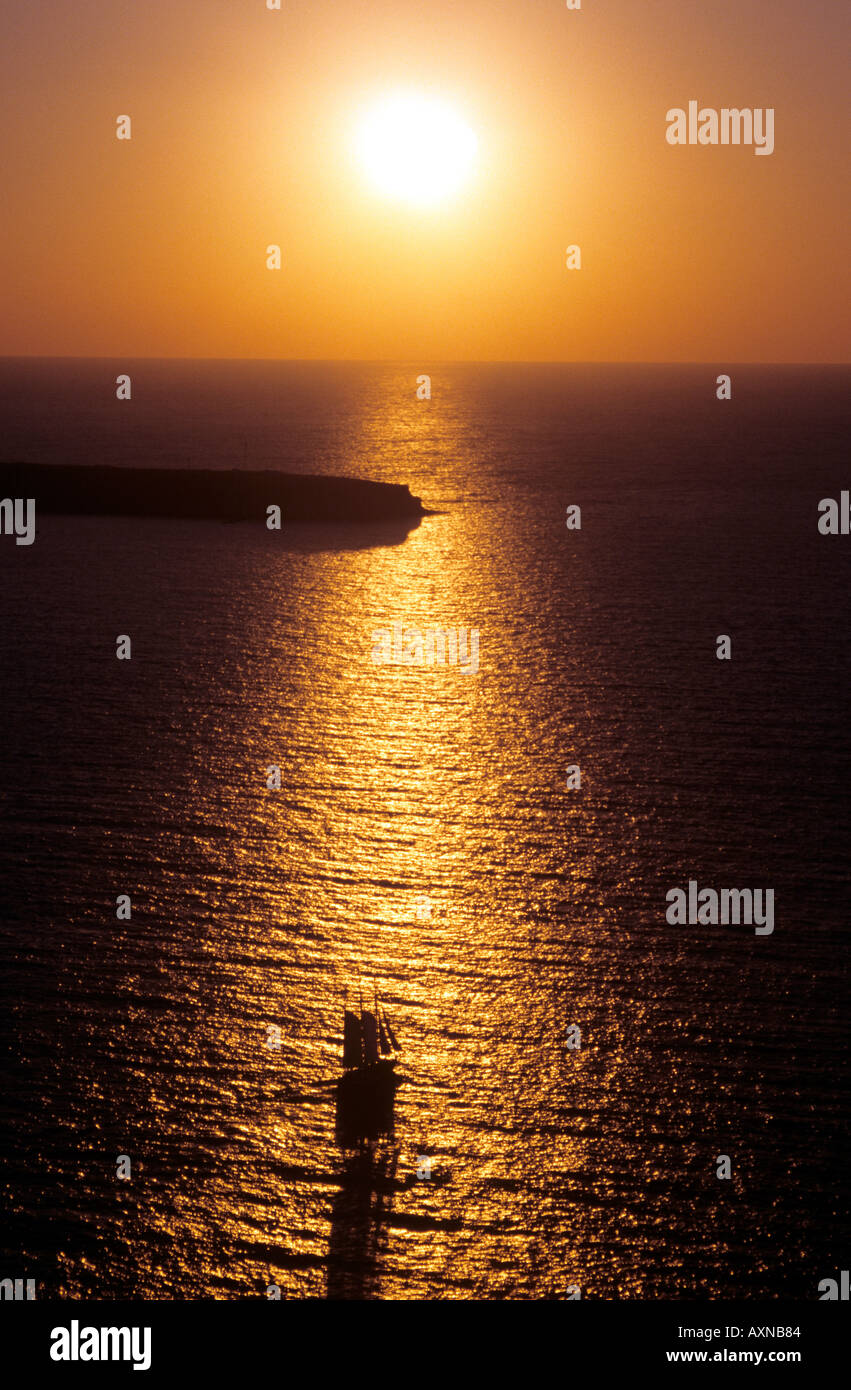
{"x":242,"y":119}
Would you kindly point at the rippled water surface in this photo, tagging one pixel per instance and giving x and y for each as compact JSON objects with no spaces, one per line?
{"x":424,"y":843}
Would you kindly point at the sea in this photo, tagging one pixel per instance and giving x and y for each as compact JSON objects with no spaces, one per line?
{"x":598,"y":1102}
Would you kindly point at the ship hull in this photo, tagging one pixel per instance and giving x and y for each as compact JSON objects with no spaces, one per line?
{"x":365,"y":1098}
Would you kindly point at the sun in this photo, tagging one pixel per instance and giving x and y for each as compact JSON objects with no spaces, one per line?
{"x":415,"y":148}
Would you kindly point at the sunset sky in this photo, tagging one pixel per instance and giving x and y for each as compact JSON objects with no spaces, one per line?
{"x":243,"y":124}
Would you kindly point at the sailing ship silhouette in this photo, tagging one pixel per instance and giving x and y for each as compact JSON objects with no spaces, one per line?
{"x":367,"y":1088}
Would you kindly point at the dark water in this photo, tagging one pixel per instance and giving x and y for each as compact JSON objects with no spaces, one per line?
{"x":423,"y":839}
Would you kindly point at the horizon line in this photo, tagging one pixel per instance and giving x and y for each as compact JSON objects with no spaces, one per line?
{"x":443,"y":361}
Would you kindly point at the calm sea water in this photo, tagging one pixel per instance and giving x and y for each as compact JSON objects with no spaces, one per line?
{"x":423,"y":841}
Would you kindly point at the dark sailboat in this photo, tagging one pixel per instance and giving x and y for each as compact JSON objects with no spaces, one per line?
{"x":366,"y":1090}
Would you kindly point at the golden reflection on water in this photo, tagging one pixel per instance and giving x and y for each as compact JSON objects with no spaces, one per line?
{"x":421,"y":846}
{"x":398,"y":857}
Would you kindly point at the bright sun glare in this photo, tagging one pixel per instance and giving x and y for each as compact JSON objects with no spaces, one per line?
{"x":415,"y":148}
